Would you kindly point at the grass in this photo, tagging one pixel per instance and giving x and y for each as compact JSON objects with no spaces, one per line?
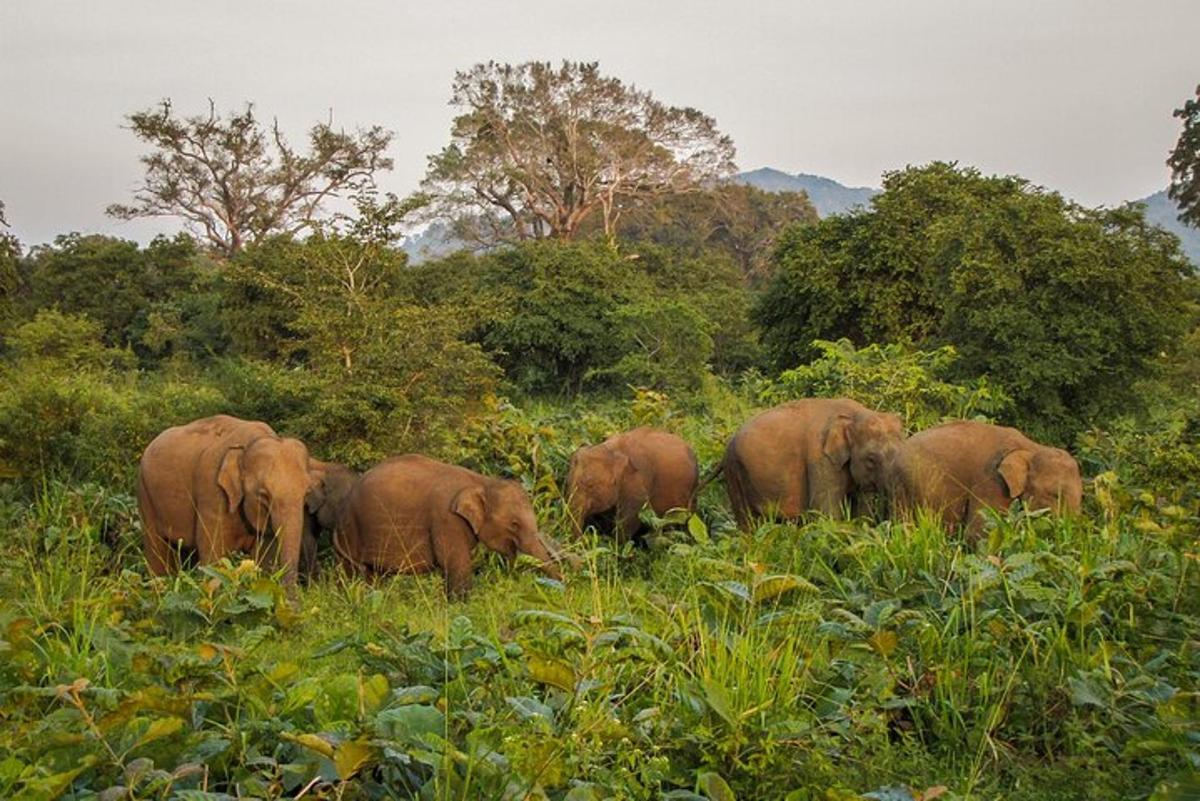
{"x":833,"y":660}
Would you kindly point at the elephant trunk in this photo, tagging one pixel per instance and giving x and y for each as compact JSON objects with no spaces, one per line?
{"x":577,"y":508}
{"x":289,"y":529}
{"x":536,"y":547}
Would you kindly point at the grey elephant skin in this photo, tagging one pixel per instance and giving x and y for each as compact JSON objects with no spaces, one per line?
{"x":645,"y":467}
{"x":220,"y":485}
{"x":956,"y":470}
{"x":413,"y":514}
{"x":812,"y":454}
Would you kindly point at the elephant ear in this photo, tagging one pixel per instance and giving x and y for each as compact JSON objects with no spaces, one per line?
{"x":835,"y":443}
{"x":229,"y":477}
{"x":1014,"y":469}
{"x":471,"y":505}
{"x":315,"y":497}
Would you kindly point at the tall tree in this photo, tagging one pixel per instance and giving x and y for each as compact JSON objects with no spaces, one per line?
{"x":538,"y":149}
{"x":737,"y":219}
{"x":1185,"y":163}
{"x":235,"y":182}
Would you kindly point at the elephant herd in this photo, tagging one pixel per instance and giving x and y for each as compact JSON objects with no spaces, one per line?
{"x":221,"y":485}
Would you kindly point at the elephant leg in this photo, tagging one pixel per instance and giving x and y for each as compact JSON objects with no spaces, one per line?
{"x":160,"y":556}
{"x":210,"y":539}
{"x":452,"y":551}
{"x":628,"y":522}
{"x":828,"y":488}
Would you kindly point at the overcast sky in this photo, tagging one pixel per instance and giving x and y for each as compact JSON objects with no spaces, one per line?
{"x":1074,"y":95}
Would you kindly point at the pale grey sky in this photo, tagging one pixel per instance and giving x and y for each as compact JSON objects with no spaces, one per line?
{"x":1076,"y":95}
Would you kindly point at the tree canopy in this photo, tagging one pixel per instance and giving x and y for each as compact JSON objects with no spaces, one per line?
{"x":1184,"y":162}
{"x":1063,"y":307}
{"x":234,"y":182}
{"x":538,"y":149}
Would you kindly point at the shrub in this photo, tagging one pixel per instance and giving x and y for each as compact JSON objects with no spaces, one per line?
{"x":897,"y":378}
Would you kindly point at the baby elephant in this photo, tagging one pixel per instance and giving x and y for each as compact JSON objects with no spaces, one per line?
{"x":626,"y":472}
{"x":412,"y":514}
{"x":957,"y":469}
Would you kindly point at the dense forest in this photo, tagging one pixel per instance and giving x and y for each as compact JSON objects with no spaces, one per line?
{"x":611,"y":276}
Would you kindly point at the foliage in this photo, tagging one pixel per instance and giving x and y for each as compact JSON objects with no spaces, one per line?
{"x":75,"y":408}
{"x":554,"y":314}
{"x":913,"y":383}
{"x":1184,"y":162}
{"x":737,"y":219}
{"x":834,"y":660}
{"x":1064,"y":308}
{"x":367,"y":361}
{"x":538,"y":149}
{"x":664,"y":344}
{"x":121,"y":286}
{"x":234,"y":183}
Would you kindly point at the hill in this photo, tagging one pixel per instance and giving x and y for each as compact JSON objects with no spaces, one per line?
{"x":829,"y":196}
{"x":1162,"y":211}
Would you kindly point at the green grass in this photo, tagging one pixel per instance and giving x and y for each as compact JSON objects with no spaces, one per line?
{"x":1061,"y":660}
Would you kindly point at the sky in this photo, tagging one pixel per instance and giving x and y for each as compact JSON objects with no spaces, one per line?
{"x":1075,"y":95}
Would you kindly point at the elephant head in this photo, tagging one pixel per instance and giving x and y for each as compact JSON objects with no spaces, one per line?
{"x":1043,"y":478}
{"x":868,"y":442}
{"x":331,"y":484}
{"x":501,"y":516}
{"x":268,"y":480}
{"x":594,"y":482}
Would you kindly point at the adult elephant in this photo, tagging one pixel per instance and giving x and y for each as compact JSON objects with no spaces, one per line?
{"x":219,"y":485}
{"x":808,"y":454}
{"x":957,"y":469}
{"x":324,"y":503}
{"x":627,"y":472}
{"x":413,"y":514}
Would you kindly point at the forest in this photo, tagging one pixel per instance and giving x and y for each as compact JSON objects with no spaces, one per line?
{"x":610,"y":276}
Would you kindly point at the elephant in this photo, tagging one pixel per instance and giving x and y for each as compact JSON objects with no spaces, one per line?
{"x":413,"y":514}
{"x":957,"y":469}
{"x":808,"y":454}
{"x":219,"y":485}
{"x":324,"y":503}
{"x":626,"y":472}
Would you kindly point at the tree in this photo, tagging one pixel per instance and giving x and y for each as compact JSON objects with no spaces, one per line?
{"x":379,"y":371}
{"x":10,"y":277}
{"x":538,"y":150}
{"x":1184,"y":162}
{"x":1063,"y":308}
{"x":234,"y":182}
{"x":114,"y":282}
{"x":737,"y":219}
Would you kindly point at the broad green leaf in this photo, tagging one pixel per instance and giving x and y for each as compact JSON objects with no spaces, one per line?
{"x":409,"y":723}
{"x":769,"y":588}
{"x":548,"y":670}
{"x":160,"y":728}
{"x":350,"y":757}
{"x":373,"y":691}
{"x":530,"y":708}
{"x":698,"y":529}
{"x":312,"y":742}
{"x":718,"y":700}
{"x":714,"y":787}
{"x":419,"y":694}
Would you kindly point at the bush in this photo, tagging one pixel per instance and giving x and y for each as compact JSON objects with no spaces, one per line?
{"x":895,"y":378}
{"x":73,"y":408}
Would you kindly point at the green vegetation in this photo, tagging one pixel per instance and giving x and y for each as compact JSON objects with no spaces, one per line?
{"x":827,"y":661}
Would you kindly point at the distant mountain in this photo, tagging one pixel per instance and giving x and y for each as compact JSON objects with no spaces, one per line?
{"x":826,"y":194}
{"x":1162,"y":211}
{"x":434,"y":242}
